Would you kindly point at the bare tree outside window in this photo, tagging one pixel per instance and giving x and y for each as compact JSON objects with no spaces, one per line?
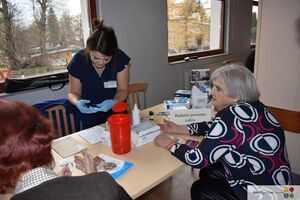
{"x":38,"y":36}
{"x":194,"y":26}
{"x":8,"y":35}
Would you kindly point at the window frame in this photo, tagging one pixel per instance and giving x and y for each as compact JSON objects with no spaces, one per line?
{"x":92,"y":10}
{"x":180,"y":57}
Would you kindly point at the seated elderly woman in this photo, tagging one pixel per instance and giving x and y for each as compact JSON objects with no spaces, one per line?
{"x":243,"y":146}
{"x":26,"y":161}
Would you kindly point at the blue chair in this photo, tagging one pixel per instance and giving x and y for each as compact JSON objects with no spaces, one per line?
{"x":64,"y":117}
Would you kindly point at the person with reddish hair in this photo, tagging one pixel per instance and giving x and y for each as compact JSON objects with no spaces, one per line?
{"x":3,"y":101}
{"x":26,"y":161}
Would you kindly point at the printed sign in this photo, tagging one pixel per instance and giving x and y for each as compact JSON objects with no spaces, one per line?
{"x":189,"y":116}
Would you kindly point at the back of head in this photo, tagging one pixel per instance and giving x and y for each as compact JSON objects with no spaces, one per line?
{"x":239,"y":82}
{"x":102,"y":39}
{"x":25,"y":141}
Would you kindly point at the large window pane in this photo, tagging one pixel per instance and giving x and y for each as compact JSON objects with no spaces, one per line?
{"x":194,"y":26}
{"x":39,"y":37}
{"x":254,"y":22}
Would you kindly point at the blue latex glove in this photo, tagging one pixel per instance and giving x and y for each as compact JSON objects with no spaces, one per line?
{"x":106,"y":105}
{"x":82,"y":105}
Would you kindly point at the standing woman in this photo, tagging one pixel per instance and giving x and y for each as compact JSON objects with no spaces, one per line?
{"x":98,"y":76}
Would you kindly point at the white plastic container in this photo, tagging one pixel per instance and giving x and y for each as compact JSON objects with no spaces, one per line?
{"x":136,"y":115}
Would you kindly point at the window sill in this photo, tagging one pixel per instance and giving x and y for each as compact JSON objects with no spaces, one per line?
{"x":198,"y":59}
{"x":2,"y":84}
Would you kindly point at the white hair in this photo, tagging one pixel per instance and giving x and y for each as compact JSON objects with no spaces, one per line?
{"x":239,"y":82}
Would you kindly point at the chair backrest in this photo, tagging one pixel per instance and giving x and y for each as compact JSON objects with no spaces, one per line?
{"x":134,"y":90}
{"x":63,"y":116}
{"x":58,"y":115}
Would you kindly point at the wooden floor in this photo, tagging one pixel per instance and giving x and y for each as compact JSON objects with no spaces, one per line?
{"x":177,"y":187}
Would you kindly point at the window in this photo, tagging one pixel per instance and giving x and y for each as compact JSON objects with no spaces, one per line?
{"x":39,"y":38}
{"x":195,"y":28}
{"x":254,"y":23}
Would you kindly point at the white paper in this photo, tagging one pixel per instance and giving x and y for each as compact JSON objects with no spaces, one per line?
{"x":65,"y":161}
{"x":67,"y":146}
{"x":95,"y":134}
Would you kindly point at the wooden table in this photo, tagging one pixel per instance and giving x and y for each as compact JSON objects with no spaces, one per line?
{"x":152,"y":164}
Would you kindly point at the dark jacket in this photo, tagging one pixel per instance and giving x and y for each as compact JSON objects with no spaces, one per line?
{"x":89,"y":187}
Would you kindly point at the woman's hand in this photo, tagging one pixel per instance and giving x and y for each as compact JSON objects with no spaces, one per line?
{"x":105,"y":105}
{"x":171,"y":127}
{"x":82,"y":105}
{"x":86,"y":163}
{"x":65,"y":171}
{"x":164,"y":141}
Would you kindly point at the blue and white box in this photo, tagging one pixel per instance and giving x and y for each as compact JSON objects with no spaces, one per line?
{"x":177,"y":102}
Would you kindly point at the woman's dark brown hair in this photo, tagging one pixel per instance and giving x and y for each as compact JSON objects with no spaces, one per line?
{"x":102,"y":39}
{"x":25,"y":141}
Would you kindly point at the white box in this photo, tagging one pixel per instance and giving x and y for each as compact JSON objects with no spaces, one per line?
{"x":199,"y":97}
{"x":144,"y":133}
{"x":200,"y":101}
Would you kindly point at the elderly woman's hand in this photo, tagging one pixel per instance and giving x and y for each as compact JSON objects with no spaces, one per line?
{"x":171,"y":127}
{"x":65,"y":171}
{"x":164,"y":141}
{"x":86,"y":163}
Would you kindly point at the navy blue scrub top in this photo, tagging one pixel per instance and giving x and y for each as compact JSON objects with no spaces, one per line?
{"x":93,"y":85}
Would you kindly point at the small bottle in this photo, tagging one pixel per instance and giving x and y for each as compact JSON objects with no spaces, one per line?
{"x":135,"y":115}
{"x":151,"y":115}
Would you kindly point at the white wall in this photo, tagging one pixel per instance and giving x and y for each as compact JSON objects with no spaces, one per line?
{"x":293,"y":140}
{"x":277,"y":65}
{"x":279,"y":54}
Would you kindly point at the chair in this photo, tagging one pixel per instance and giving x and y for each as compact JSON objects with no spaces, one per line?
{"x":134,"y":91}
{"x":63,"y":116}
{"x":58,"y":114}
